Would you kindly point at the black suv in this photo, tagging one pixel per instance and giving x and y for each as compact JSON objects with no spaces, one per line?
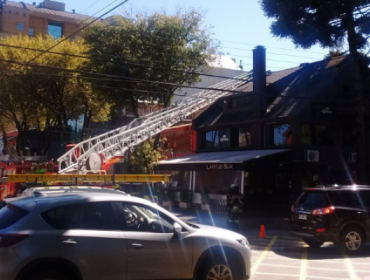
{"x":339,"y":214}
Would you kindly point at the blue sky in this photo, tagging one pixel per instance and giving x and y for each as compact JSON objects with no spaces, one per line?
{"x":238,"y":24}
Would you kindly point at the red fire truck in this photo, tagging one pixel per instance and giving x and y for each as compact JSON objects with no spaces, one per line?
{"x":29,"y":165}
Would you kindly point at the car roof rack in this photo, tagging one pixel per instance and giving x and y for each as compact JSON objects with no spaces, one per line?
{"x":39,"y":192}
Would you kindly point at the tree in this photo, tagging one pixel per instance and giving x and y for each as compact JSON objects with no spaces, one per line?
{"x":44,"y":98}
{"x":143,"y":157}
{"x":334,"y":24}
{"x":171,"y":42}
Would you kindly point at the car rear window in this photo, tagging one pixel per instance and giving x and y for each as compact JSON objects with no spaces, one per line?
{"x":314,"y":199}
{"x":11,"y":214}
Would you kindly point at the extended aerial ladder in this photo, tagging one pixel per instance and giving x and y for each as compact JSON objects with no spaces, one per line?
{"x":91,"y":154}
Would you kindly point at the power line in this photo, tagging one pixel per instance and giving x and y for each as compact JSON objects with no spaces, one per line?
{"x":293,"y":62}
{"x":245,"y":93}
{"x":118,"y":78}
{"x":90,"y":6}
{"x":271,"y":53}
{"x":78,"y":30}
{"x":123,"y":62}
{"x":248,"y":44}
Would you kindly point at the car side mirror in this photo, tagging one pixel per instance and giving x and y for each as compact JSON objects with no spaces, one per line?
{"x":177,"y":229}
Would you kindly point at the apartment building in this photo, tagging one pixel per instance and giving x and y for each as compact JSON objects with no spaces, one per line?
{"x":47,"y":17}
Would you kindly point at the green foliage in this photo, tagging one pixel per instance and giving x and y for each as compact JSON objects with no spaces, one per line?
{"x":44,"y":98}
{"x":328,"y":23}
{"x":143,"y":157}
{"x":176,"y":42}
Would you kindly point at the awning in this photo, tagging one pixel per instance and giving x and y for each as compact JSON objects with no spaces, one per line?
{"x":234,"y":160}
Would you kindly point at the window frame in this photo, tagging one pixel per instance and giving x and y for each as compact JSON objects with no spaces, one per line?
{"x":54,"y":224}
{"x":56,"y":24}
{"x":161,"y":215}
{"x":217,"y":139}
{"x":249,"y":130}
{"x":266,"y":139}
{"x":313,"y":134}
{"x":20,"y":26}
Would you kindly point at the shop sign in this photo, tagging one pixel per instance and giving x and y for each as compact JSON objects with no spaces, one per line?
{"x":224,"y":166}
{"x":224,"y":139}
{"x":327,"y":111}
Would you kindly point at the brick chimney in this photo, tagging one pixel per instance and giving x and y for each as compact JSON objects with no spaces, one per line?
{"x":259,"y":81}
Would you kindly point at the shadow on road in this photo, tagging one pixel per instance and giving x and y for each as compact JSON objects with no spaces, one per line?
{"x":327,"y":251}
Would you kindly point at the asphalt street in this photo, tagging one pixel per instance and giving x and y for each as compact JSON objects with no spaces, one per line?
{"x":280,"y":256}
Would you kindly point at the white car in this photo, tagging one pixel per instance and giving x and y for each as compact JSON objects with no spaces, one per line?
{"x":105,"y":234}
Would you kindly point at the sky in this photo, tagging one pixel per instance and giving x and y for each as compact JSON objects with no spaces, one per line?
{"x":239,"y":25}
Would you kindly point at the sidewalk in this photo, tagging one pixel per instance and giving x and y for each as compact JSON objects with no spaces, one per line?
{"x":276,"y":224}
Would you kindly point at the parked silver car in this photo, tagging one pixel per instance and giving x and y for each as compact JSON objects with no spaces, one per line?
{"x":106,"y":234}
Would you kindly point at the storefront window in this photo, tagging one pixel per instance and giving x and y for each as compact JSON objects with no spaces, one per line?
{"x":323,"y":135}
{"x":244,"y":137}
{"x":278,"y":134}
{"x":218,"y":139}
{"x":306,"y":137}
{"x":349,"y":137}
{"x":320,"y":135}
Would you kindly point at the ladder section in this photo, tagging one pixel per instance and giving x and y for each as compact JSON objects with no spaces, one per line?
{"x":87,"y":178}
{"x":116,"y":142}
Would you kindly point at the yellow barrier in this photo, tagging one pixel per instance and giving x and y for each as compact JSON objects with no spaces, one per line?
{"x":87,"y":178}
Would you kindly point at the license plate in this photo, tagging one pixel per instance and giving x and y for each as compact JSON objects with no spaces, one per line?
{"x":302,"y":217}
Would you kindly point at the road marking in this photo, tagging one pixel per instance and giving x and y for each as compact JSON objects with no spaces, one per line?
{"x":314,"y":268}
{"x":351,"y":271}
{"x":303,"y":274}
{"x":295,"y":275}
{"x":263,"y":255}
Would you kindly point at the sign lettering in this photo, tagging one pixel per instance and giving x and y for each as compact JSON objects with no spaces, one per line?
{"x":224,"y":166}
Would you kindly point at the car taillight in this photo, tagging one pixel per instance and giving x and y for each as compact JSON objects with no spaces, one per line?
{"x":7,"y":240}
{"x":323,"y":211}
{"x":292,"y":209}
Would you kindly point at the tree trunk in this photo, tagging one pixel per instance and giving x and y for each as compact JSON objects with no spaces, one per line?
{"x":134,"y":107}
{"x":361,"y":76}
{"x":86,"y":125}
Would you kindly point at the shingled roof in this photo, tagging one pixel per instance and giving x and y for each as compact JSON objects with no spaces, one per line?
{"x":288,"y":92}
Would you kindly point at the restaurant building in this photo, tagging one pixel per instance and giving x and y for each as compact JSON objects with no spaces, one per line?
{"x":284,"y":131}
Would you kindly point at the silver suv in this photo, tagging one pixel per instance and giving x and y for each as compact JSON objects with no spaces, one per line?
{"x":106,"y":234}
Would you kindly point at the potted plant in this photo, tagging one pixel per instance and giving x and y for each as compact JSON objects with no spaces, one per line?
{"x":205,"y":200}
{"x":184,"y":198}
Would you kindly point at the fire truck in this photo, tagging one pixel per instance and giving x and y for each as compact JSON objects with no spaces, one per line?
{"x":99,"y":153}
{"x":10,"y":165}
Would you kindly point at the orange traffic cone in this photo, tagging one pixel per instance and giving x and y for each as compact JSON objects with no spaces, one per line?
{"x":262,"y":232}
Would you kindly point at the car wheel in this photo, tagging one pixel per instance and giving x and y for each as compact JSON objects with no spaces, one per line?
{"x":313,"y":243}
{"x":352,"y":240}
{"x":218,"y":268}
